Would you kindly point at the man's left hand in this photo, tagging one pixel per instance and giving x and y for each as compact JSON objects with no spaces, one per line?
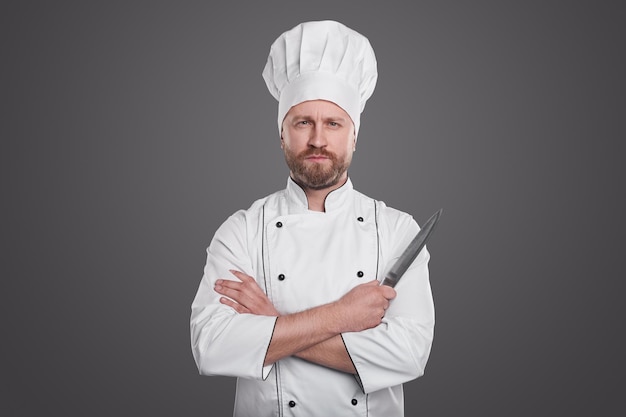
{"x":245,"y":296}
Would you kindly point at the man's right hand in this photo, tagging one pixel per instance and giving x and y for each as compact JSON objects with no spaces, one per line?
{"x":245,"y":295}
{"x":364,"y":306}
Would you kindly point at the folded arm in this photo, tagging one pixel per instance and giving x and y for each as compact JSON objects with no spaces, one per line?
{"x":314,"y":334}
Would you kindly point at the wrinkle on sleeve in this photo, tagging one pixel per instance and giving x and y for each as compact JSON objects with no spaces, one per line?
{"x":397,"y":350}
{"x":223,"y":341}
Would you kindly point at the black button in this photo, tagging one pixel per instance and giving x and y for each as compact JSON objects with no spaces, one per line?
{"x":281,"y":277}
{"x":360,"y":274}
{"x":354,"y":401}
{"x":279,"y":224}
{"x":292,"y":403}
{"x":360,"y":219}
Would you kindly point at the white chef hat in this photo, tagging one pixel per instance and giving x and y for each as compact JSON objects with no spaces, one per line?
{"x":321,"y":61}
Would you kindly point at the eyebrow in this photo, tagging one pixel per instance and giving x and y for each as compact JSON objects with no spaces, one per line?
{"x":325,"y":119}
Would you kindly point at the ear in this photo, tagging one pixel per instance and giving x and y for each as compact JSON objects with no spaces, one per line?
{"x":282,"y":141}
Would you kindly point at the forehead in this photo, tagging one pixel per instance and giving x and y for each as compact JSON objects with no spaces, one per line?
{"x":322,"y":108}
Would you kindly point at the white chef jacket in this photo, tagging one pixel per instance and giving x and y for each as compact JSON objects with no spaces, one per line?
{"x":303,"y":259}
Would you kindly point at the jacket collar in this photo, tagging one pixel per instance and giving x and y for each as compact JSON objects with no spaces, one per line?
{"x":335,"y":200}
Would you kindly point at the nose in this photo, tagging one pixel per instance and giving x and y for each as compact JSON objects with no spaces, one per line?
{"x":317,"y":137}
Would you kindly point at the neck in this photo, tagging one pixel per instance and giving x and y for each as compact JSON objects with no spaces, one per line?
{"x":317,"y":198}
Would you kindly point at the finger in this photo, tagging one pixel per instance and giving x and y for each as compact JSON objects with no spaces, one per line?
{"x":240,"y":291}
{"x":243,"y":277}
{"x":248,"y":283}
{"x":237,"y":292}
{"x":224,"y":283}
{"x":235,"y":306}
{"x":388,"y":292}
{"x":226,"y":290}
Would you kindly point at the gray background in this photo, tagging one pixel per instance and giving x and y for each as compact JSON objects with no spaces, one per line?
{"x":131,"y":130}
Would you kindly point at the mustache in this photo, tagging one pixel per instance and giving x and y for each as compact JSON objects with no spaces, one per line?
{"x":317,"y":152}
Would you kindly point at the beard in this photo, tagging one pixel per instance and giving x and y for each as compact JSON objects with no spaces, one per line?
{"x":316,"y":176}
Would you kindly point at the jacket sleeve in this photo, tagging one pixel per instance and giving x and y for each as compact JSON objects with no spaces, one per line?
{"x":396,"y":351}
{"x":224,"y":342}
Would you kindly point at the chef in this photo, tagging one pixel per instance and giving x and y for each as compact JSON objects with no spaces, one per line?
{"x":290,"y":301}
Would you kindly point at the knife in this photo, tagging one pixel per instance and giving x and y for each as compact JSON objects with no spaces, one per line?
{"x":410,"y":253}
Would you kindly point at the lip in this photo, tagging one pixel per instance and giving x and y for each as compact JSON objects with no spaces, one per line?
{"x":316,"y":158}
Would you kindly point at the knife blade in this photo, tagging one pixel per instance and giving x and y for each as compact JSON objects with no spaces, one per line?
{"x":410,"y":253}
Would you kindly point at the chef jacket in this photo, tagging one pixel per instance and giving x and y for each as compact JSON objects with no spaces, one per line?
{"x":302,"y":259}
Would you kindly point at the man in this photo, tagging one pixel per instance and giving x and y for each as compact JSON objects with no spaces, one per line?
{"x":290,"y":301}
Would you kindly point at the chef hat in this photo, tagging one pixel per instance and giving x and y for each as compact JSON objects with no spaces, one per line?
{"x":321,"y":61}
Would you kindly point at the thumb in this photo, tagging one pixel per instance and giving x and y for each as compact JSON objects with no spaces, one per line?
{"x":388,"y":292}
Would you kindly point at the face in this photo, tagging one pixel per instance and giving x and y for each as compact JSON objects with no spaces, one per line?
{"x":318,"y":140}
